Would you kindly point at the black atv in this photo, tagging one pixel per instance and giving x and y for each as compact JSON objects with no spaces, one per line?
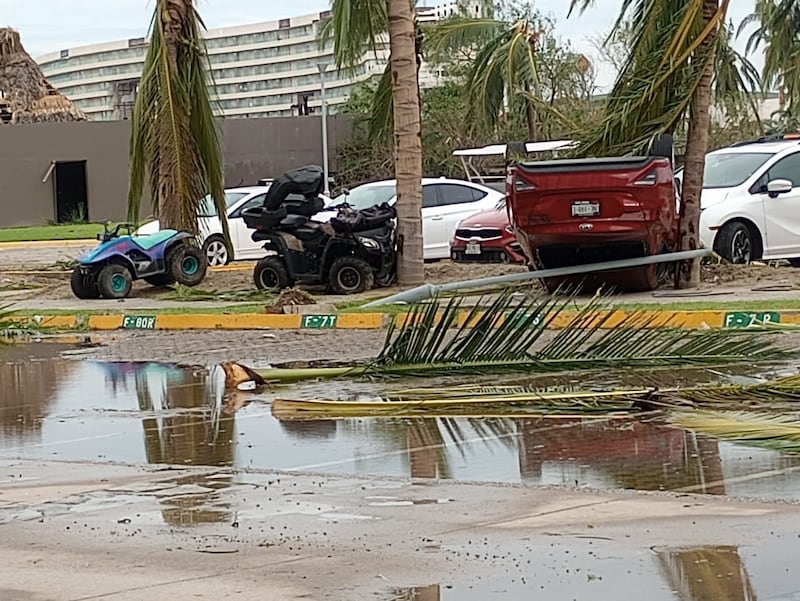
{"x":350,"y":254}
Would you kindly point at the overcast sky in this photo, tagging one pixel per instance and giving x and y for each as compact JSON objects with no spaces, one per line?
{"x":52,"y":25}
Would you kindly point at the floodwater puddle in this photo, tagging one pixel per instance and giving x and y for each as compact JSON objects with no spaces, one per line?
{"x":152,"y":413}
{"x":709,"y":573}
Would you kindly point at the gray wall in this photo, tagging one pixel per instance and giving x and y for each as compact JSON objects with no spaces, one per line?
{"x":254,"y":149}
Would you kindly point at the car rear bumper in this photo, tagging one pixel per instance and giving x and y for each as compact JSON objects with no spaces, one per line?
{"x":490,"y":252}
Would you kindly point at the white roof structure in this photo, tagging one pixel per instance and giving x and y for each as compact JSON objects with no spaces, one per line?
{"x":500,"y":149}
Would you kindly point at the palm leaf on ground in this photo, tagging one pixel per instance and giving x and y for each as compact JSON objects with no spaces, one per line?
{"x":506,"y":334}
{"x":778,"y":432}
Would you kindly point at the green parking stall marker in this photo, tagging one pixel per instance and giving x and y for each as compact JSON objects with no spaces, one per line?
{"x":746,"y":319}
{"x":319,"y":322}
{"x":139,"y":322}
{"x":520,"y":320}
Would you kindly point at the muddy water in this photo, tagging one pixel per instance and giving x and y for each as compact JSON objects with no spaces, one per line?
{"x":157,"y":413}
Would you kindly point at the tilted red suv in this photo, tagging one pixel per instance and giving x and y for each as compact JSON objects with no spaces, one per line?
{"x":576,"y":211}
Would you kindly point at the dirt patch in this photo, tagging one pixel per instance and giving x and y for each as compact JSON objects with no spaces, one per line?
{"x":55,"y":286}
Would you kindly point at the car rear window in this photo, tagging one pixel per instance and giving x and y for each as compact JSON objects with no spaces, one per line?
{"x":726,"y":170}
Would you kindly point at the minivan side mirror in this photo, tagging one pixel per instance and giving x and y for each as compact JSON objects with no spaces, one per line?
{"x":779,"y":186}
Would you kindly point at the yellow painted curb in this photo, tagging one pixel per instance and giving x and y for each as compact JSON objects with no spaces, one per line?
{"x":376,"y":321}
{"x":49,"y":244}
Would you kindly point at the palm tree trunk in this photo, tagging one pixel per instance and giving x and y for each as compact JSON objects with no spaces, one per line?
{"x":174,"y":14}
{"x":407,"y":142}
{"x":688,"y":272}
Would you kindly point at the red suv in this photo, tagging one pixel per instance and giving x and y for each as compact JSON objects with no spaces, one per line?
{"x":486,"y":237}
{"x":576,"y":211}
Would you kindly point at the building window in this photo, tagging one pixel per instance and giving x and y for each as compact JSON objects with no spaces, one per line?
{"x":64,"y":53}
{"x":284,"y":23}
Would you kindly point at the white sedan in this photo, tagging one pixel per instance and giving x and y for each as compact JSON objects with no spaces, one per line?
{"x":445,"y":202}
{"x":217,"y":252}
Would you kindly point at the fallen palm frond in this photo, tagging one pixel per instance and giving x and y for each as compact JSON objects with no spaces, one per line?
{"x":777,"y":432}
{"x":187,"y":293}
{"x":777,"y":395}
{"x":509,"y":335}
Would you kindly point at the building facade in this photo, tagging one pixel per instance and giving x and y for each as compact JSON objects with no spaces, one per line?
{"x":266,"y":69}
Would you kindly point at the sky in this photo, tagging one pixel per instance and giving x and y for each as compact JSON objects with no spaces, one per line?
{"x":52,"y":25}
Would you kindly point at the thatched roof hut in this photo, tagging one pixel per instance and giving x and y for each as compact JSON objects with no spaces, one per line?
{"x":26,"y":94}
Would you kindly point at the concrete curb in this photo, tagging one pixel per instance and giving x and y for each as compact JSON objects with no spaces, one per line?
{"x":377,"y":321}
{"x":48,"y":244}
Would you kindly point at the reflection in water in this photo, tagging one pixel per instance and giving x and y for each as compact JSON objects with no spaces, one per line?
{"x":707,"y":574}
{"x":91,"y":410}
{"x":26,"y":391}
{"x":638,"y":455}
{"x":192,"y":431}
{"x":418,"y":593}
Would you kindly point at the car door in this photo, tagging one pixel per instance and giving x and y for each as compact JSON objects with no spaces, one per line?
{"x":433,"y":223}
{"x":782,"y":213}
{"x":243,"y":245}
{"x":456,"y":202}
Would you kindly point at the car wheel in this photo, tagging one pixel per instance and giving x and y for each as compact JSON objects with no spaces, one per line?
{"x":734,"y":243}
{"x":349,"y":275}
{"x":186,"y":264}
{"x":114,"y":281}
{"x":216,"y":251}
{"x":270,"y":274}
{"x":84,"y":285}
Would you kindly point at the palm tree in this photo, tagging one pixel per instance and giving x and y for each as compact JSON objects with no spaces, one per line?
{"x":356,"y":26}
{"x":778,"y":25}
{"x":175,"y":144}
{"x":667,"y":77}
{"x":505,"y":62}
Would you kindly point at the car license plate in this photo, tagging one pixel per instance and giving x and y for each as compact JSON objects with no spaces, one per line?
{"x":473,"y":249}
{"x":585,"y":208}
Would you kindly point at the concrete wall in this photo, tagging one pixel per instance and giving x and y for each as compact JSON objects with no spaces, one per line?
{"x":254,"y":149}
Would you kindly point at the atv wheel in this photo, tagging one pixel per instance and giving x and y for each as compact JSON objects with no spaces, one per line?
{"x":271,"y":274}
{"x":161,"y":280}
{"x":114,"y":281}
{"x":349,"y":275}
{"x":83,"y":285}
{"x":187,"y":264}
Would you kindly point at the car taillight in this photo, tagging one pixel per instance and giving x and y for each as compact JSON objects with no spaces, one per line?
{"x":520,"y":185}
{"x":649,"y":179}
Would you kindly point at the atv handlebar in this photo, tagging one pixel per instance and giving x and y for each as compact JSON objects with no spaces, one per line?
{"x":111,"y":234}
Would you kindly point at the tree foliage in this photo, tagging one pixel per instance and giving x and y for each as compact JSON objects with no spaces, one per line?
{"x":175,"y":143}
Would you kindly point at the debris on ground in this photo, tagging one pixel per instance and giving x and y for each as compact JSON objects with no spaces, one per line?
{"x":291,"y":297}
{"x":236,"y":375}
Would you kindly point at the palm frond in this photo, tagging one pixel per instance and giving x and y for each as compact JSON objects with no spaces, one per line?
{"x":355,"y":26}
{"x":779,"y":432}
{"x":175,"y":143}
{"x":509,"y":335}
{"x":381,"y":120}
{"x":652,"y":93}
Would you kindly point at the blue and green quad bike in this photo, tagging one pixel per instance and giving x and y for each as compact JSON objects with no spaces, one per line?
{"x":160,"y":259}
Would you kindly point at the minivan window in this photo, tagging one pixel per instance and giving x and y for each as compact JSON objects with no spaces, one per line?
{"x":727,"y":170}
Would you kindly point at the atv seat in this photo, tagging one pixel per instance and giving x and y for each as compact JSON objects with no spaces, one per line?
{"x":149,"y":241}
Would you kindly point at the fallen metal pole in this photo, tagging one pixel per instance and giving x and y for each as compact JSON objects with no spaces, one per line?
{"x":430,"y":290}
